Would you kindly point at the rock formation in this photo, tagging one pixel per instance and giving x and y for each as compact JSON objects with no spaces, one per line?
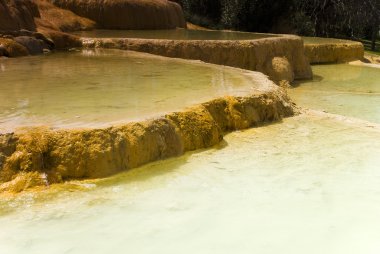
{"x":263,"y":55}
{"x":11,"y":48}
{"x":53,"y":18}
{"x":334,"y":52}
{"x":48,"y":19}
{"x":16,"y":15}
{"x":128,"y":14}
{"x":41,"y":156}
{"x":33,"y":26}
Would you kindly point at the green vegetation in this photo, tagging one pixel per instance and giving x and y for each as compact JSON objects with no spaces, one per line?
{"x":349,"y":19}
{"x":368,"y":46}
{"x":377,"y":53}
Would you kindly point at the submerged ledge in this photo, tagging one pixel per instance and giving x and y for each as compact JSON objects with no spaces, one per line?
{"x":42,"y":156}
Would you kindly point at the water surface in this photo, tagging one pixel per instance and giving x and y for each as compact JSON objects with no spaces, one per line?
{"x":342,"y":89}
{"x":174,"y":34}
{"x":95,"y":88}
{"x":320,"y":40}
{"x":310,"y":184}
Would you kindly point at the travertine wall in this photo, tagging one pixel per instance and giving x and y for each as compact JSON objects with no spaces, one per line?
{"x":40,"y":156}
{"x":334,"y":52}
{"x":256,"y":55}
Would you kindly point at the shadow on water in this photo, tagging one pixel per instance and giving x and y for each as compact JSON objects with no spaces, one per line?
{"x":316,"y":78}
{"x":154,"y":169}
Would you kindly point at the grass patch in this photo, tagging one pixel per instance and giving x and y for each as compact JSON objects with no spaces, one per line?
{"x":377,"y":53}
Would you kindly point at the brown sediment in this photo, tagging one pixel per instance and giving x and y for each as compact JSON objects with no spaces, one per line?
{"x":256,"y":55}
{"x":42,"y":156}
{"x":339,"y":52}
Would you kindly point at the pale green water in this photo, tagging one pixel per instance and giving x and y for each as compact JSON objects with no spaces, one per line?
{"x":94,"y":88}
{"x":342,"y":89}
{"x":175,"y":34}
{"x":308,"y":185}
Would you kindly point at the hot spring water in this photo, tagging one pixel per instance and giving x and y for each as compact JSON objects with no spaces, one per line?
{"x":309,"y":184}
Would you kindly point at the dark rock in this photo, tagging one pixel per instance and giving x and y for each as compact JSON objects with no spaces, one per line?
{"x":47,"y":41}
{"x":13,"y":48}
{"x":33,"y":45}
{"x":3,"y":51}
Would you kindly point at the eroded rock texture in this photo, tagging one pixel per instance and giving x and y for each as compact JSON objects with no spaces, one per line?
{"x":41,"y":156}
{"x":280,"y":57}
{"x":16,"y":15}
{"x":128,"y":14}
{"x":334,"y":52}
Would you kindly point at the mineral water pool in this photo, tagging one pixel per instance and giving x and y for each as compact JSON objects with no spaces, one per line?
{"x":342,"y":89}
{"x":308,"y":184}
{"x":96,"y":88}
{"x":174,"y":34}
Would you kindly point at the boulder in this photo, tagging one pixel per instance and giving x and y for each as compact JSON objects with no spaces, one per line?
{"x":33,"y":45}
{"x":11,"y":48}
{"x":279,"y":70}
{"x":62,"y":40}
